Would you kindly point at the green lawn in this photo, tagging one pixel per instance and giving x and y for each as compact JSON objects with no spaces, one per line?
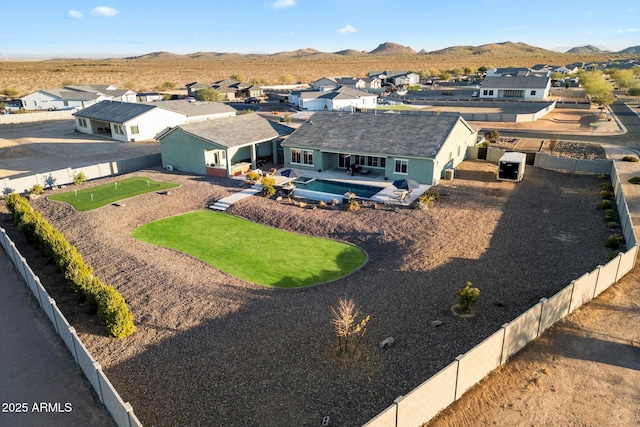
{"x":95,"y":197}
{"x":263,"y":255}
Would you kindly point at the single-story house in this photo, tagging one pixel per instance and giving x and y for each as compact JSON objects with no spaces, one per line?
{"x":397,"y":78}
{"x":230,"y":89}
{"x":340,"y":99}
{"x":329,"y":83}
{"x":78,"y":96}
{"x":224,"y":147}
{"x":522,"y":87}
{"x":197,"y":111}
{"x":125,"y":121}
{"x":394,"y":146}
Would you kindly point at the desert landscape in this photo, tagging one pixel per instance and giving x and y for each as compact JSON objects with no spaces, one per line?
{"x":166,"y":71}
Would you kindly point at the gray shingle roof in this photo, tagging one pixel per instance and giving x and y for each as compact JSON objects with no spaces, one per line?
{"x":114,"y":112}
{"x":516,"y":82}
{"x":191,"y":109}
{"x":410,"y":135}
{"x":233,"y":131}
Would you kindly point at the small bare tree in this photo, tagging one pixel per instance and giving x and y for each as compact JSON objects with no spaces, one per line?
{"x":345,"y":321}
{"x":553,"y":142}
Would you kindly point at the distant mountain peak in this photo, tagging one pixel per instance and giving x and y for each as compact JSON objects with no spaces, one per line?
{"x":586,"y":49}
{"x":389,"y":48}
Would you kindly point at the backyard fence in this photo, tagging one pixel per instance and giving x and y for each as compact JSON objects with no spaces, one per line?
{"x":65,"y":176}
{"x":6,"y":119}
{"x":432,"y":396}
{"x":121,"y":411}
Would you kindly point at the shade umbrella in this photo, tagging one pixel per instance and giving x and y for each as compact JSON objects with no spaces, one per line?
{"x":289,"y":173}
{"x":406,"y":184}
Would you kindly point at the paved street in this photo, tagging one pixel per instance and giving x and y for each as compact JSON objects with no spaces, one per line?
{"x":40,"y":384}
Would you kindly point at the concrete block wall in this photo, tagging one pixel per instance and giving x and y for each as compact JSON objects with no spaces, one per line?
{"x":121,"y":411}
{"x":65,"y":176}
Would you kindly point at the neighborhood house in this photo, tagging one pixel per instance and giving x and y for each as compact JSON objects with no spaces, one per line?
{"x":124,"y":121}
{"x":79,"y":96}
{"x":415,"y":146}
{"x":339,"y":99}
{"x":225,"y":147}
{"x":523,"y":87}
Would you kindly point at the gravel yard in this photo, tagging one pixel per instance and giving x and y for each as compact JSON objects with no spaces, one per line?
{"x":214,"y":350}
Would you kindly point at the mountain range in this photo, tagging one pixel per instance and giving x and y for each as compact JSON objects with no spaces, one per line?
{"x":500,"y":50}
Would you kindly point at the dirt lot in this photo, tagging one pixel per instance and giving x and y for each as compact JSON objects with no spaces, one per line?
{"x":211,"y":349}
{"x":29,"y":148}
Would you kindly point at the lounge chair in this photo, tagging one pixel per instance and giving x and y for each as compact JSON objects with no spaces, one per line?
{"x":399,"y":196}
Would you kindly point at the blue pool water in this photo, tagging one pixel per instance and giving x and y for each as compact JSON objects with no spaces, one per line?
{"x":337,"y":187}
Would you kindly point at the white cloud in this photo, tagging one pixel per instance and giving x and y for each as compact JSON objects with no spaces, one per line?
{"x":282,"y":4}
{"x":347,"y":29}
{"x":629,"y":30}
{"x":105,"y":11}
{"x":74,"y":14}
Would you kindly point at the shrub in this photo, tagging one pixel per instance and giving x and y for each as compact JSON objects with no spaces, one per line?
{"x":353,"y":205}
{"x":635,"y":180}
{"x":606,"y":186}
{"x":322,"y":204}
{"x":111,"y":306}
{"x":79,"y":178}
{"x":612,"y":255}
{"x":606,"y":194}
{"x":605,"y":204}
{"x":345,"y":321}
{"x":269,"y":190}
{"x":252,"y":176}
{"x":37,"y":189}
{"x":610,"y":215}
{"x":612,"y":224}
{"x":467,"y":297}
{"x":630,"y":159}
{"x":113,"y":311}
{"x":613,"y":241}
{"x":427,"y":200}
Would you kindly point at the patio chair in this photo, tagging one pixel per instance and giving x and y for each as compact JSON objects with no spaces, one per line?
{"x":399,"y":196}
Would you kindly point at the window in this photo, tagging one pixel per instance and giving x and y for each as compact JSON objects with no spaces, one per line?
{"x":485,"y":92}
{"x":302,"y":157}
{"x":118,"y":129}
{"x":135,"y":130}
{"x":533,"y":93}
{"x":401,"y":166}
{"x":490,"y":91}
{"x":82,"y":122}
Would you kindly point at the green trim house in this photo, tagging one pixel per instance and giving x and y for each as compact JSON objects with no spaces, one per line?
{"x":414,"y":145}
{"x":223,"y":147}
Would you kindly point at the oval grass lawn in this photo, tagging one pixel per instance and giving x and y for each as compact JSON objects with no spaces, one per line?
{"x":262,"y":255}
{"x":96,"y":197}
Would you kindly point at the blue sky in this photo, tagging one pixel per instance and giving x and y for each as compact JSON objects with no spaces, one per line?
{"x":104,"y":28}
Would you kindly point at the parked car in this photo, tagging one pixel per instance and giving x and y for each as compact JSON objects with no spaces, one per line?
{"x":251,"y":100}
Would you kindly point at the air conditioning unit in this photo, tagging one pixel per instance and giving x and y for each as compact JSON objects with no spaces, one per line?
{"x":448,"y":174}
{"x":169,"y":168}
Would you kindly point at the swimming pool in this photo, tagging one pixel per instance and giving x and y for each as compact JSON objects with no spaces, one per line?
{"x":336,"y":187}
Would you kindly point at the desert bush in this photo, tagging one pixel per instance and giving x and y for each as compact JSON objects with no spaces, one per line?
{"x":345,"y":321}
{"x":427,"y":200}
{"x":605,"y":204}
{"x":467,"y":297}
{"x":114,"y":313}
{"x":610,"y":215}
{"x":613,"y":224}
{"x":635,"y":180}
{"x":37,"y":189}
{"x":630,"y":159}
{"x":322,"y":204}
{"x":613,"y":241}
{"x":302,"y":204}
{"x":612,"y":255}
{"x":353,"y":205}
{"x":79,"y":178}
{"x":334,"y":202}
